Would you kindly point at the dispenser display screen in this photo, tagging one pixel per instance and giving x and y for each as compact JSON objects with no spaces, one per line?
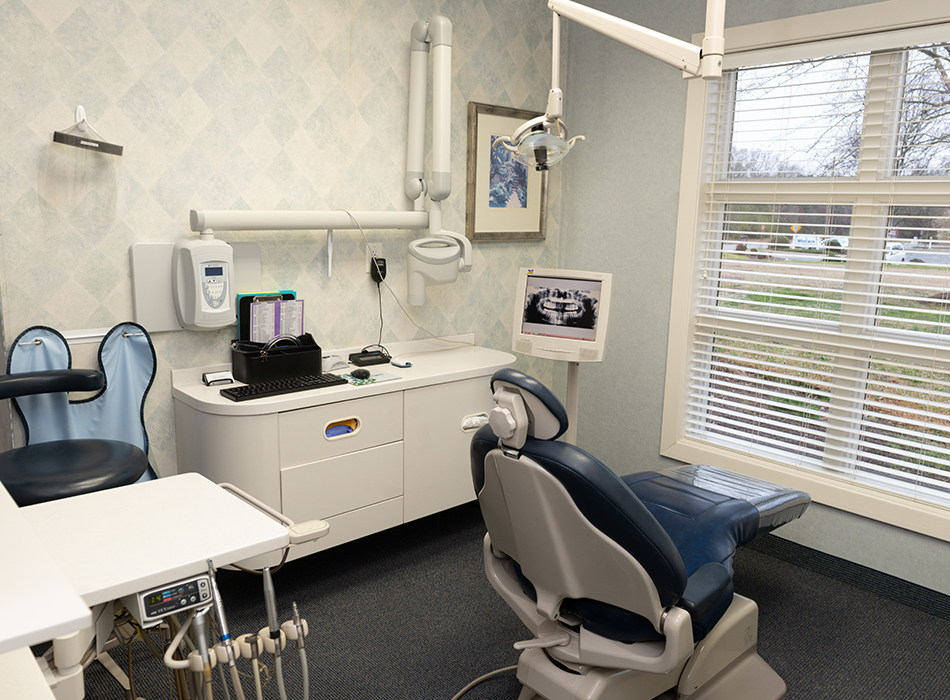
{"x":214,"y":271}
{"x":558,"y":307}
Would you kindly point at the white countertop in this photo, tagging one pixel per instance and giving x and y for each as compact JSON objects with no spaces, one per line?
{"x":128,"y":539}
{"x":37,"y":600}
{"x":433,"y":362}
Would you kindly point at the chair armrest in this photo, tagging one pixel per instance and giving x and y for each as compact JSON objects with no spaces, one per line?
{"x":50,"y":382}
{"x":704,"y":588}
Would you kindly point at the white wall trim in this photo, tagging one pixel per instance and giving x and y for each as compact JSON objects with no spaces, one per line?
{"x":850,"y":22}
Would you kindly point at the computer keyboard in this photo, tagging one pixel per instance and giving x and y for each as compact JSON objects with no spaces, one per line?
{"x":281,"y":386}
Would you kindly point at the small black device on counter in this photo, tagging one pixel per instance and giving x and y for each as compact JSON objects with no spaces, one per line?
{"x":366,"y":358}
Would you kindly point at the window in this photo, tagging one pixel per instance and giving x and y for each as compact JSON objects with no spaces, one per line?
{"x":810,"y":335}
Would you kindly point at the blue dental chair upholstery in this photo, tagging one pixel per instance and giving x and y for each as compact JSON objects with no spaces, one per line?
{"x":626,"y":583}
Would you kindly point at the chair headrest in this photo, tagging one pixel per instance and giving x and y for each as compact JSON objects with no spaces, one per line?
{"x":525,"y":408}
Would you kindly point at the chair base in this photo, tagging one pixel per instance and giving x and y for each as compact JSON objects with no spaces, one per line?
{"x":748,"y":678}
{"x":724,"y":666}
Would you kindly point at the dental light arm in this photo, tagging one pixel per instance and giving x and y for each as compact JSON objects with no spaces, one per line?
{"x":543,"y":141}
{"x":705,"y":62}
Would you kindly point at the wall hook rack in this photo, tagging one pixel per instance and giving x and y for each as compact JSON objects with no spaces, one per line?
{"x":81,"y":141}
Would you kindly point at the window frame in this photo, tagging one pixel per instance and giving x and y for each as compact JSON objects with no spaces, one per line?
{"x":862,"y":28}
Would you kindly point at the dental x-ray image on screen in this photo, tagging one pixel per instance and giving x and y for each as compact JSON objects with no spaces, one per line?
{"x":561,"y":308}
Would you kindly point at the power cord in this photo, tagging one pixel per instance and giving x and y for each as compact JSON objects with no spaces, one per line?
{"x":379,"y":343}
{"x":482,"y":679}
{"x":396,"y":299}
{"x":260,"y":572}
{"x":379,"y":296}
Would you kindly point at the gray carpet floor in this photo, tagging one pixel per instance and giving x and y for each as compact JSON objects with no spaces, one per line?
{"x":408,"y":613}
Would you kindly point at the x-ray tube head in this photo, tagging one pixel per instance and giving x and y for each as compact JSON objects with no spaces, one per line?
{"x":431,"y":261}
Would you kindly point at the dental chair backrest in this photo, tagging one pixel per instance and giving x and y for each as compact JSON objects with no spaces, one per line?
{"x":574,"y":529}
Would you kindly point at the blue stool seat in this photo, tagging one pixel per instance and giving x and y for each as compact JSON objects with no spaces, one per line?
{"x":54,"y":469}
{"x":48,"y":471}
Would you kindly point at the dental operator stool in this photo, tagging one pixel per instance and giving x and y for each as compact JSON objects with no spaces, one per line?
{"x":625,"y":583}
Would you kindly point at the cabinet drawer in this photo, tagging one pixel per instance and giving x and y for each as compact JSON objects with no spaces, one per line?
{"x":343,"y":528}
{"x":341,"y":484}
{"x":359,"y":523}
{"x":303,"y":438}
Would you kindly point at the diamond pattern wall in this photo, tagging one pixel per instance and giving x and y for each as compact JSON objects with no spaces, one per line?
{"x":262,"y":104}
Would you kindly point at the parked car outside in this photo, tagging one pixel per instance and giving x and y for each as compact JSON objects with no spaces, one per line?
{"x":894,"y":253}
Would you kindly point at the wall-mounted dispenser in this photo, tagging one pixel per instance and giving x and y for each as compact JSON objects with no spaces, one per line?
{"x":203,"y":282}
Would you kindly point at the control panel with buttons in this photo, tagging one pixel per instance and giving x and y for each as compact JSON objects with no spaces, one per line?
{"x":214,"y":283}
{"x":149,"y":607}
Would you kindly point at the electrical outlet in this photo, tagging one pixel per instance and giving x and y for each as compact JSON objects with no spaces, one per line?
{"x":370,"y":254}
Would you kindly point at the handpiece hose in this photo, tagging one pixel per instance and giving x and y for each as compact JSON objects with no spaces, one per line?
{"x":270,"y":602}
{"x":225,"y":635}
{"x":202,"y":634}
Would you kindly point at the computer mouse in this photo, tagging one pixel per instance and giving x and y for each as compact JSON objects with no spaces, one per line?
{"x":360,"y":373}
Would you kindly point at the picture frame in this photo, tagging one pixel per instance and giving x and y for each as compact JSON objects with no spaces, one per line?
{"x":504,"y":200}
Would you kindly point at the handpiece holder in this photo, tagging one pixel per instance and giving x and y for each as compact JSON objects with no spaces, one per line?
{"x":299,"y":532}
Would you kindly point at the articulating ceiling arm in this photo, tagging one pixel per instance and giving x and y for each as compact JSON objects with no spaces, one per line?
{"x":542,"y":142}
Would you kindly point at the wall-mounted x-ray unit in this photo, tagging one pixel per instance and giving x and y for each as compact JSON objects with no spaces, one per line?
{"x":433,"y":36}
{"x":160,"y":301}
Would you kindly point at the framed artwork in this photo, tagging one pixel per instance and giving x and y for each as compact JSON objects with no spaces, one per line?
{"x":505,"y":200}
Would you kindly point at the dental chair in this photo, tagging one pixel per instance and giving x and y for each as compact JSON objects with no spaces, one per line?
{"x":625,"y":583}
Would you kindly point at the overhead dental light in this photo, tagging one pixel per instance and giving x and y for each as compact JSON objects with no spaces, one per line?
{"x":543,"y":141}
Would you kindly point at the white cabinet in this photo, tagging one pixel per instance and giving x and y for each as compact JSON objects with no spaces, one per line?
{"x":406,"y":457}
{"x":436,"y":444}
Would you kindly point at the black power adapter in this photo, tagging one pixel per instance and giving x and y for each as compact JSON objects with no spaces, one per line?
{"x":377,"y":269}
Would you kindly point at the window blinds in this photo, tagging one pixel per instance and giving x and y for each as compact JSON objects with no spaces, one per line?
{"x":821,"y":328}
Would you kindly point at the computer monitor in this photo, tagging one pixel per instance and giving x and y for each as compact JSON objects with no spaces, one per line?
{"x":561,"y":314}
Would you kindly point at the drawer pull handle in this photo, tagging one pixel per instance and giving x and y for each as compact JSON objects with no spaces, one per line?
{"x":342,"y":428}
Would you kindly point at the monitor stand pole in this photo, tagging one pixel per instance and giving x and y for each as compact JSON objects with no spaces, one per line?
{"x":570,"y":435}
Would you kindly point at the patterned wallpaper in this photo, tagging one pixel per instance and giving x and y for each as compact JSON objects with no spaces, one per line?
{"x":260,"y":104}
